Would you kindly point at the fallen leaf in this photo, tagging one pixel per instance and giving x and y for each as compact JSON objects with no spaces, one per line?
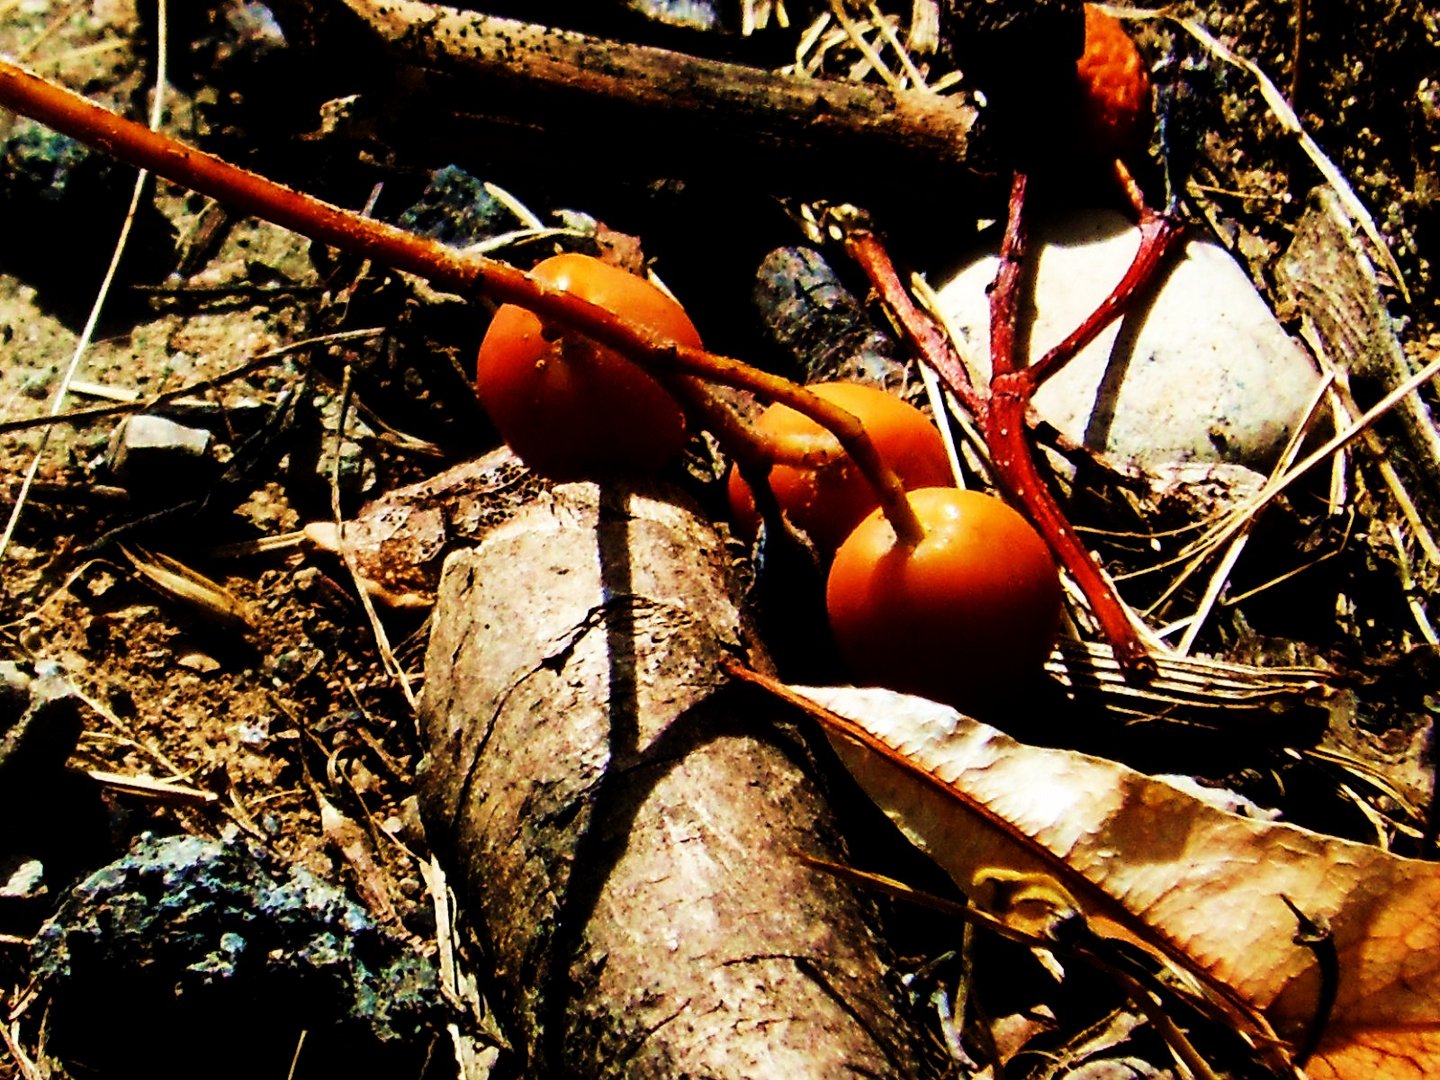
{"x":1200,"y":884}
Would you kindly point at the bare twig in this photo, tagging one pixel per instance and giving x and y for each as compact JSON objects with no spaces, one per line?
{"x":706,"y":109}
{"x":1011,"y":388}
{"x":441,"y":265}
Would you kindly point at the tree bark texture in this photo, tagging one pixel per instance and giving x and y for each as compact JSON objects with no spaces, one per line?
{"x":616,"y":105}
{"x":624,"y":827}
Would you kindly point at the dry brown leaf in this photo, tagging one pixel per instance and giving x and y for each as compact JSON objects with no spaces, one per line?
{"x":1200,"y":884}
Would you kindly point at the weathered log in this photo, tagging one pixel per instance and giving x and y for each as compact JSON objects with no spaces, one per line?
{"x":624,"y":827}
{"x":1334,"y":287}
{"x":620,"y":106}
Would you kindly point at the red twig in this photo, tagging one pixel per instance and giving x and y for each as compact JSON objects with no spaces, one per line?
{"x":1003,"y":414}
{"x":1158,"y":235}
{"x":1011,"y":388}
{"x":924,"y":336}
{"x":444,"y":267}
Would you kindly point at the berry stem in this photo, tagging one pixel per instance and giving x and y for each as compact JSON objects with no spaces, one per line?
{"x":924,"y":336}
{"x":444,"y":267}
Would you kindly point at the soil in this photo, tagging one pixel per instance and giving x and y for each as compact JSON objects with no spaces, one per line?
{"x":260,"y":702}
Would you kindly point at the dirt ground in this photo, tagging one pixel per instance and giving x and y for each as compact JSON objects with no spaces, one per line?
{"x":258,"y":702}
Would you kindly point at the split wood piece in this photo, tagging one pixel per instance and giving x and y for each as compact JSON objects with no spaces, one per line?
{"x":626,"y":832}
{"x":655,"y":106}
{"x":1334,"y":287}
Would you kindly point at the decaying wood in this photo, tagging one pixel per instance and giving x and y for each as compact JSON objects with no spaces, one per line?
{"x":640,"y":105}
{"x":625,"y":827}
{"x":1333,"y":285}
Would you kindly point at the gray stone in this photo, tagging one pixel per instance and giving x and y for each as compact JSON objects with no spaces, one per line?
{"x":150,"y":451}
{"x":1198,"y":370}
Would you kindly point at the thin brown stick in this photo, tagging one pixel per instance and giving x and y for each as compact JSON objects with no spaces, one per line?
{"x":442,"y":266}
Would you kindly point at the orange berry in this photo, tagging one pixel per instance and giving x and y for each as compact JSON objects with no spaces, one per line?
{"x":827,"y":501}
{"x":1115,"y":87}
{"x":572,"y":409}
{"x":973,"y":606}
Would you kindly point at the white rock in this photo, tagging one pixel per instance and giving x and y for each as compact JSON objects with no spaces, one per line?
{"x":1202,"y":372}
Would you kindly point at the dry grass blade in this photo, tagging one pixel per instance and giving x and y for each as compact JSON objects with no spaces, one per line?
{"x":353,"y":843}
{"x":130,"y":402}
{"x":215,"y":603}
{"x":122,"y":734}
{"x":382,"y":639}
{"x":28,"y":1068}
{"x":857,"y":37}
{"x":1237,"y":544}
{"x":82,"y":346}
{"x":1240,"y":519}
{"x":147,"y":787}
{"x":57,"y":20}
{"x":1372,"y":776}
{"x":943,"y":403}
{"x":1348,"y":410}
{"x":886,"y":25}
{"x":1413,"y":599}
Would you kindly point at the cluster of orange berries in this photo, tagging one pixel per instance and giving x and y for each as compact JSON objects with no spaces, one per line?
{"x":977,"y":599}
{"x":975,"y":602}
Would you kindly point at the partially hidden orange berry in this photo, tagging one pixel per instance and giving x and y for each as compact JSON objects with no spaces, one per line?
{"x":1114,"y":86}
{"x":828,"y":499}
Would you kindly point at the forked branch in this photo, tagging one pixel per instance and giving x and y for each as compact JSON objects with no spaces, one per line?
{"x":1003,"y":413}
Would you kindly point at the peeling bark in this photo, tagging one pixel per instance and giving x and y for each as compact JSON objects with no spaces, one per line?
{"x":464,"y":76}
{"x":624,"y":827}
